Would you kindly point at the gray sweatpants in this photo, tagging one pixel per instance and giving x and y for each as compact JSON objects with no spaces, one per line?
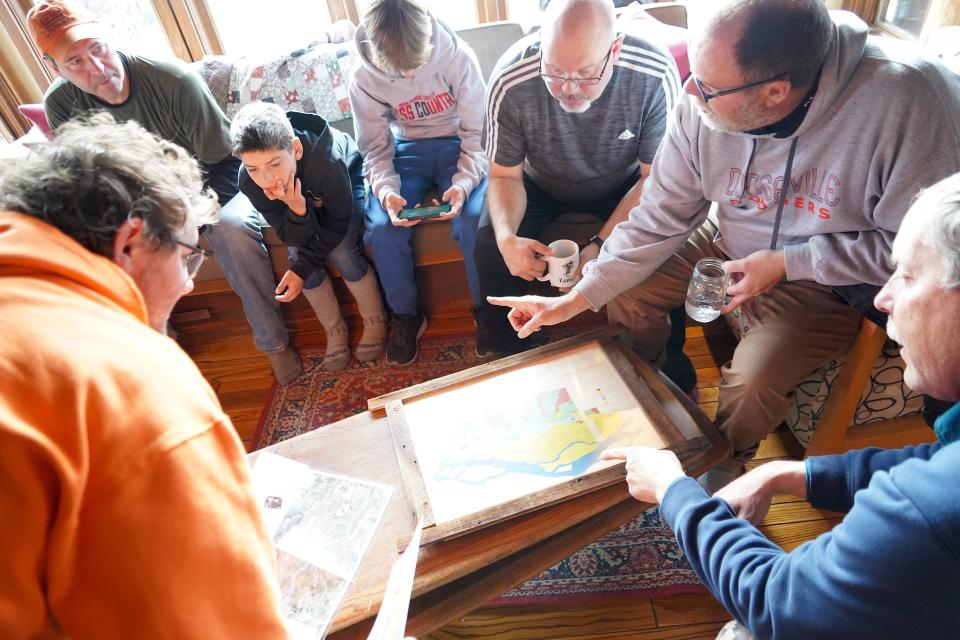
{"x":790,"y":331}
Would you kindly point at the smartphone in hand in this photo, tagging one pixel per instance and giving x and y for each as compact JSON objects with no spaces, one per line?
{"x":420,"y":213}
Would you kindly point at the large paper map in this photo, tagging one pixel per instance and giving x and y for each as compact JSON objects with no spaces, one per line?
{"x":522,"y":431}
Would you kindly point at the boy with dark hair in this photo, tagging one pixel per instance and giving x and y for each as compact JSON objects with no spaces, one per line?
{"x":305,"y":178}
{"x":417,"y":99}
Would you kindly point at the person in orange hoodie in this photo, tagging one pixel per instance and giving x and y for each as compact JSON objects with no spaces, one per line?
{"x":126,"y":509}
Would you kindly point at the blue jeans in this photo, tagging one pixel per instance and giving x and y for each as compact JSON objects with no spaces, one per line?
{"x":421,"y":165}
{"x":347,"y":256}
{"x":238,"y":248}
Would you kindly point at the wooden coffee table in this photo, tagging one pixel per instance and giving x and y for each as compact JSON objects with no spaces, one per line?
{"x":456,"y":576}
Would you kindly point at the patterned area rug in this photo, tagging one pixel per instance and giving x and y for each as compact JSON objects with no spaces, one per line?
{"x":319,"y":397}
{"x":640,"y":559}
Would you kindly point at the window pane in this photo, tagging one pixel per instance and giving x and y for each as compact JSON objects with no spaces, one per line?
{"x":526,"y":12}
{"x":458,"y":14}
{"x":133,"y":24}
{"x":269,"y":28}
{"x":907,"y":15}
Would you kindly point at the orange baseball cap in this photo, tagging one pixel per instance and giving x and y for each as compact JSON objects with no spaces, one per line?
{"x":56,"y":26}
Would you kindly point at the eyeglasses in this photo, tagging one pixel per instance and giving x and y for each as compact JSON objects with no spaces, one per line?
{"x":192,"y":260}
{"x":577,"y":82}
{"x":708,"y":96}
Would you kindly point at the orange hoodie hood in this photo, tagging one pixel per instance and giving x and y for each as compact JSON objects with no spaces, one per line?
{"x":130,"y":509}
{"x":31,"y":247}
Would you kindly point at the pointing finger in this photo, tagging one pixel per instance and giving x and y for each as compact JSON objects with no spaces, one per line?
{"x":505,"y":301}
{"x":617,"y":453}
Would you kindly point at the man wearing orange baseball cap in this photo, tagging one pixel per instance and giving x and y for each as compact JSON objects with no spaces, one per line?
{"x":171,"y":101}
{"x":56,"y":27}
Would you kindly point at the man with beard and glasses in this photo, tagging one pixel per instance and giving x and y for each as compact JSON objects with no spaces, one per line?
{"x":793,"y":158}
{"x":575,"y":114}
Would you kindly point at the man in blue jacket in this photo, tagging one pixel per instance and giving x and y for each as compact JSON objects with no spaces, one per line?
{"x":891,"y":568}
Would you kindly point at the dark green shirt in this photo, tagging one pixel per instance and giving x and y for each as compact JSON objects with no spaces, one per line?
{"x":166,"y":97}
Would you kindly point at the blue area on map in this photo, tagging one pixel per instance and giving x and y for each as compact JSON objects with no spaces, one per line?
{"x":455,"y":469}
{"x":538,"y":414}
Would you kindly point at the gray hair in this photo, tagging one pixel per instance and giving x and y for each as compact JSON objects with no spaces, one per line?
{"x":790,"y":37}
{"x":97,"y":174}
{"x":261,"y":126}
{"x":940,"y":204}
{"x":400,"y":34}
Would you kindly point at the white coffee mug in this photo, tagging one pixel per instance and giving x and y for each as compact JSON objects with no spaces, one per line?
{"x":562,"y":265}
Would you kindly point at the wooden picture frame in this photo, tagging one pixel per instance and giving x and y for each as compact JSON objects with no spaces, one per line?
{"x":679,"y":430}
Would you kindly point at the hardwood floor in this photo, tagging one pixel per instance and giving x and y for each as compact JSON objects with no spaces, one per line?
{"x":241,"y":377}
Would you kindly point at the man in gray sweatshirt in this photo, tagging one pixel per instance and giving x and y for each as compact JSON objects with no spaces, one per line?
{"x":805,"y":140}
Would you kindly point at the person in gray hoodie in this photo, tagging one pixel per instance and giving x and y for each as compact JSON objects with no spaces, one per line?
{"x":798,"y":150}
{"x":417,"y":99}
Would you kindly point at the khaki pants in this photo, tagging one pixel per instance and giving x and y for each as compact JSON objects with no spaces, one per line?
{"x":790,"y":331}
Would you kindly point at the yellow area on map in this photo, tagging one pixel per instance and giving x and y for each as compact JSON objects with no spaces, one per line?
{"x":562,"y":444}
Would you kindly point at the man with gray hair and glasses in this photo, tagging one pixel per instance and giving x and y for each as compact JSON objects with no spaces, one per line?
{"x":793,"y":158}
{"x":889,"y":569}
{"x":126,"y":508}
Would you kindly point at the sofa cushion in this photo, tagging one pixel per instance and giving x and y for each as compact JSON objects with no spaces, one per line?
{"x":35,"y":114}
{"x":314,"y":80}
{"x":886,"y":397}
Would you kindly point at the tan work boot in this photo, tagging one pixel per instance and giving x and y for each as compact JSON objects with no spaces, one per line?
{"x":285,"y":364}
{"x":325,"y":306}
{"x":375,"y":322}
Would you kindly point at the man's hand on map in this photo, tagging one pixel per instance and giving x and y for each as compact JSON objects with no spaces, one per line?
{"x":529,"y":313}
{"x":649,"y":471}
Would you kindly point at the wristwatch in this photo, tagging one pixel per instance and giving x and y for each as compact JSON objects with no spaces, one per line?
{"x":597,"y":240}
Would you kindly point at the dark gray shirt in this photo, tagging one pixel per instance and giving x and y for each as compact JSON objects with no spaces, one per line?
{"x":580,"y":157}
{"x":167,"y":98}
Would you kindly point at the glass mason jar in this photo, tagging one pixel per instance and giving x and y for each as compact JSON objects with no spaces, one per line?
{"x":707,"y":292}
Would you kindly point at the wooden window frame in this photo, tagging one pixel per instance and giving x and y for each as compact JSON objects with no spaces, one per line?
{"x":866,"y":9}
{"x":869,"y":12}
{"x":891,"y":29}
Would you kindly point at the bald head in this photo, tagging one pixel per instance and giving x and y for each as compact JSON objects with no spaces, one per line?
{"x":584,"y":29}
{"x":768,"y":37}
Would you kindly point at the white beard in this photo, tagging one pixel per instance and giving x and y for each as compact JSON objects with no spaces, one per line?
{"x":892,"y":332}
{"x":580,"y":108}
